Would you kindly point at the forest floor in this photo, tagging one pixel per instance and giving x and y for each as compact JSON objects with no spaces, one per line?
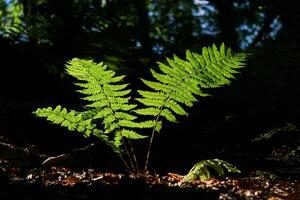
{"x":22,"y":176}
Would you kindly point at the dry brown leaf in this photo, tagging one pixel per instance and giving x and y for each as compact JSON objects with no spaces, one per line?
{"x":70,"y":181}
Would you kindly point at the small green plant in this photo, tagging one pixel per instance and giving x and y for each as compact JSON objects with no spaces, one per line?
{"x":202,"y":170}
{"x":111,"y":114}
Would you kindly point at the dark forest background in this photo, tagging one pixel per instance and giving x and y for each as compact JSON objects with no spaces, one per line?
{"x":37,"y":37}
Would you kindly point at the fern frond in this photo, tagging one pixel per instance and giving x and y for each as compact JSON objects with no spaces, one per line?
{"x":72,"y":120}
{"x":107,"y":107}
{"x":181,"y":82}
{"x":108,"y":96}
{"x":201,"y":170}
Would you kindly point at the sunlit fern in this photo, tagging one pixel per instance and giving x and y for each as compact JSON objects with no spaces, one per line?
{"x":181,"y":81}
{"x":108,"y":108}
{"x":109,"y":113}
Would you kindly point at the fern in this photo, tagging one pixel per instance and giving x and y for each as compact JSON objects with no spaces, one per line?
{"x":109,"y":113}
{"x":108,"y":106}
{"x":72,"y":120}
{"x":181,"y":82}
{"x":202,"y":170}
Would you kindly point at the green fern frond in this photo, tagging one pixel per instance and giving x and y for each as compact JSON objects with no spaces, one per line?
{"x":201,"y":171}
{"x":106,"y":94}
{"x":72,"y":120}
{"x":181,"y":82}
{"x":107,"y":106}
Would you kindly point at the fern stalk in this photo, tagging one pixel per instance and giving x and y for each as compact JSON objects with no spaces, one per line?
{"x":134,"y":157}
{"x":124,"y":162}
{"x":150,"y":145}
{"x":133,"y":168}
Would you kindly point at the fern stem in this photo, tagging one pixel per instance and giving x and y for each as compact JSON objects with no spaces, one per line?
{"x":151,"y":141}
{"x":156,"y":121}
{"x":149,"y":150}
{"x":129,"y":156}
{"x":134,"y":156}
{"x":124,"y":162}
